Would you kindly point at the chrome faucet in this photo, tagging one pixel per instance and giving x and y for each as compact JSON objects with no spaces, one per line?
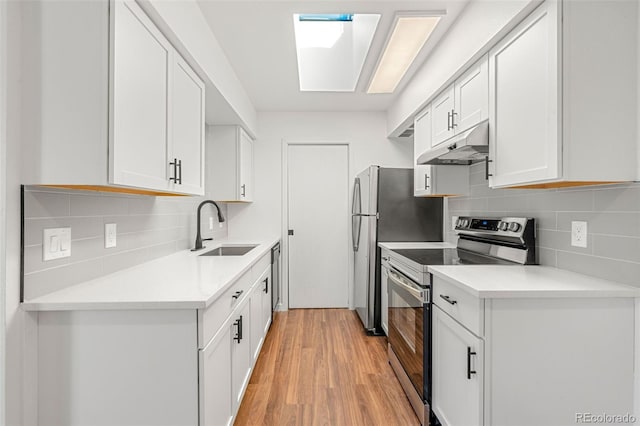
{"x":198,"y":236}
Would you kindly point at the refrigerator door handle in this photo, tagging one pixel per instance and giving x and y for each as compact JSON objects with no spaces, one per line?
{"x":356,"y":224}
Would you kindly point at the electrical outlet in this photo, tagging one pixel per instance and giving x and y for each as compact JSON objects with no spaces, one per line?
{"x":110,"y":235}
{"x":56,"y":243}
{"x":579,"y":234}
{"x":210,"y":223}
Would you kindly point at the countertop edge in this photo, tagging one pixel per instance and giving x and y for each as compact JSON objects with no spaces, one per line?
{"x":40,"y":304}
{"x":624,"y":291}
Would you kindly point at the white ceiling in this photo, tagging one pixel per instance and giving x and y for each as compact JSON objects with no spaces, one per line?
{"x":258,"y":39}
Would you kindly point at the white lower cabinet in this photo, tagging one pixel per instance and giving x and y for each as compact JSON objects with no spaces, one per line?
{"x":457,"y":380}
{"x":527,"y":360}
{"x":241,"y":359}
{"x":215,"y":381}
{"x":153,"y":366}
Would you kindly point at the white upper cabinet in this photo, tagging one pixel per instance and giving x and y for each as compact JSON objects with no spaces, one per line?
{"x":187,"y":128}
{"x":462,"y":105}
{"x":434,"y":180}
{"x":442,"y":107}
{"x":229,"y":171}
{"x":562,"y":97}
{"x":471,"y":94}
{"x":111,"y":101}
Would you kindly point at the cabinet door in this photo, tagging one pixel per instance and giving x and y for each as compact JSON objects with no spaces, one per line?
{"x":472,"y":97}
{"x":246,"y":167}
{"x":215,"y":380}
{"x":257,"y":327}
{"x":457,"y":372}
{"x":524,"y":140}
{"x":141,"y":58}
{"x":266,"y":302}
{"x":421,"y":143}
{"x":441,"y":109}
{"x":384,"y":293}
{"x":187,"y":128}
{"x":240,"y":353}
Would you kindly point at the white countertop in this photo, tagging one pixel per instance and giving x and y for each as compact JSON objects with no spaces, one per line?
{"x":506,"y":281}
{"x":416,"y":245}
{"x":183,"y":280}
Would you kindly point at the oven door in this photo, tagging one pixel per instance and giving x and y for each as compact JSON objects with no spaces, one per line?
{"x":409,"y":328}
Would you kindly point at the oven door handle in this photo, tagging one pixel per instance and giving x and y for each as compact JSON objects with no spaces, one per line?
{"x":418,"y":294}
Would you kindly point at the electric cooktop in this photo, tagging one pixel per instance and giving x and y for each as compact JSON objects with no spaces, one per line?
{"x":449,"y":256}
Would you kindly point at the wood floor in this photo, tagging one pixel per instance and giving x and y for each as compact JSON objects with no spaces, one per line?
{"x":317,"y":367}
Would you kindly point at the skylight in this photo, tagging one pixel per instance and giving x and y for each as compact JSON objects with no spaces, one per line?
{"x":332,"y":49}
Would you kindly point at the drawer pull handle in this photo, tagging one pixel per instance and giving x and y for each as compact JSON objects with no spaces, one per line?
{"x":237,"y":294}
{"x":238,"y":324}
{"x":266,"y":285}
{"x":448,"y":299}
{"x":469,"y":370}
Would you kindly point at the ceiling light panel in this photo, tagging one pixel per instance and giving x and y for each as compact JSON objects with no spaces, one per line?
{"x":331,"y":49}
{"x":409,"y":34}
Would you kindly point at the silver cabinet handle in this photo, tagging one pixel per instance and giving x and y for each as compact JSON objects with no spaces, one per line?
{"x":243,"y":188}
{"x":449,"y":126}
{"x":426,"y":181}
{"x":448,"y":299}
{"x":486,"y":167}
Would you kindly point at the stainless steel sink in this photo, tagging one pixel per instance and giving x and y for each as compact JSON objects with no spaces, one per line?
{"x":229,"y":251}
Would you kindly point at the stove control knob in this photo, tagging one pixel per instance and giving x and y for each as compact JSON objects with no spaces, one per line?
{"x":465,"y":223}
{"x":514,"y":227}
{"x":503,"y":226}
{"x":458,"y":223}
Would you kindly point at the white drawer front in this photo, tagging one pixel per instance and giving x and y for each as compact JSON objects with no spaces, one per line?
{"x":211,"y":319}
{"x":258,"y":268}
{"x":465,"y":308}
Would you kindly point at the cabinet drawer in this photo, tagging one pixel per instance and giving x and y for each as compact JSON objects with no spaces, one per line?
{"x":211,"y":319}
{"x":258,"y":268}
{"x":465,"y":308}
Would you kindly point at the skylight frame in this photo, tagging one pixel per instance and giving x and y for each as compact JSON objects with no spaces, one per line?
{"x":399,"y":15}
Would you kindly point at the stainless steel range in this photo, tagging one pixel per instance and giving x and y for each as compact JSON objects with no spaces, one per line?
{"x":507,"y":241}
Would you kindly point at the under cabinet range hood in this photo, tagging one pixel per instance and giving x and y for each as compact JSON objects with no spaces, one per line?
{"x":470,"y":146}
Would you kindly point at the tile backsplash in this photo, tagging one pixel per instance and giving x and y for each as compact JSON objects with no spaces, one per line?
{"x":147,"y":228}
{"x":612,"y":214}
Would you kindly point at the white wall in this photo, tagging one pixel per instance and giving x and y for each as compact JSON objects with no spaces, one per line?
{"x":365,"y":133}
{"x":184,"y":24}
{"x":479,"y":26}
{"x":20,"y":327}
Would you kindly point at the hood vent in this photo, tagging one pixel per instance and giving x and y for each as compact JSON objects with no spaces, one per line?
{"x":468,"y":147}
{"x":407,"y":133}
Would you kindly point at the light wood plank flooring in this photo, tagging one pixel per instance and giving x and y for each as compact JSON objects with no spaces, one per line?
{"x":318,"y":367}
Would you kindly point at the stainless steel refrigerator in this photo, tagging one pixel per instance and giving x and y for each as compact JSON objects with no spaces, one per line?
{"x":385,"y":210}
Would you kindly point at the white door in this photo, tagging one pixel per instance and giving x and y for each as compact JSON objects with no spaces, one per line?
{"x":524,"y":140}
{"x":187,"y":128}
{"x":318,"y":215}
{"x":139,"y":141}
{"x":472,"y":97}
{"x":441,"y":110}
{"x":457,"y":378}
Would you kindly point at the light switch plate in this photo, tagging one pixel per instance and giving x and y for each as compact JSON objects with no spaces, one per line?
{"x":56,"y":243}
{"x":579,"y":234}
{"x":109,"y":235}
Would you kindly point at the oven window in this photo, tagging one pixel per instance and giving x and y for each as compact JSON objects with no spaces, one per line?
{"x":403,"y":317}
{"x":406,"y":333}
